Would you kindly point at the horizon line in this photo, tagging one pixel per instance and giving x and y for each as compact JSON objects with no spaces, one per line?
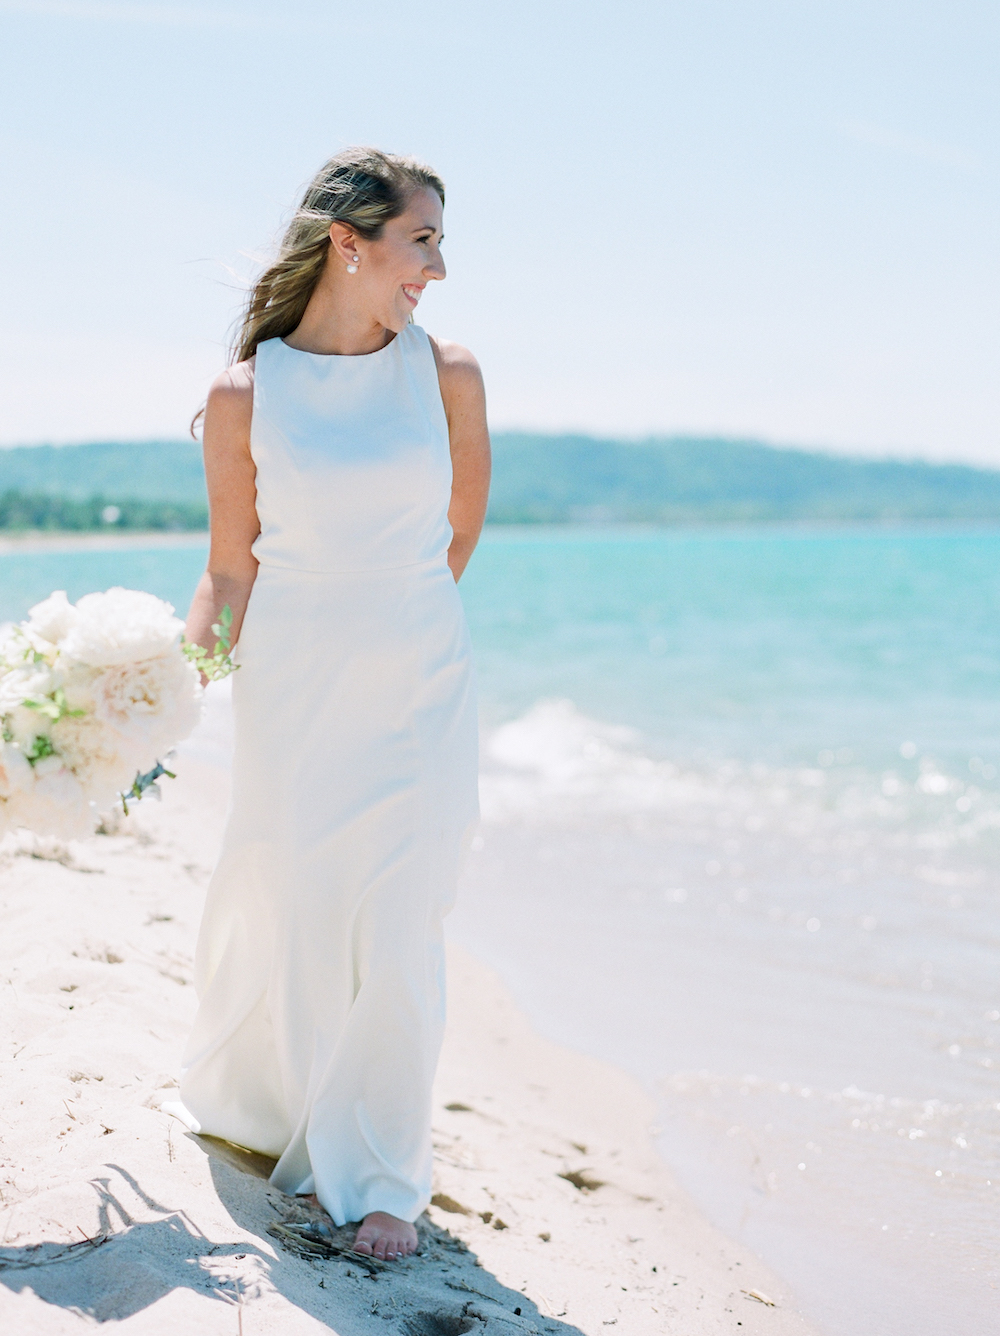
{"x":864,"y":454}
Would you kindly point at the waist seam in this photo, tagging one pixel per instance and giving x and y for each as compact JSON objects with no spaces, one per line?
{"x":441,"y":560}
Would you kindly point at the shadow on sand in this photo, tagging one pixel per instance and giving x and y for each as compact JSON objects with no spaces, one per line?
{"x":128,"y":1265}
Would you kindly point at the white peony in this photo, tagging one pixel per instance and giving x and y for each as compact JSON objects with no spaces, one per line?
{"x":31,"y":681}
{"x":77,"y":681}
{"x":22,"y":726}
{"x":153,"y":704}
{"x":50,"y":621}
{"x":56,"y":804}
{"x":121,"y":626}
{"x":16,"y":774}
{"x":12,"y":645}
{"x":103,"y":762}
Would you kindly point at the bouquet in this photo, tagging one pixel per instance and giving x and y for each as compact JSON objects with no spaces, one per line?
{"x":91,"y":696}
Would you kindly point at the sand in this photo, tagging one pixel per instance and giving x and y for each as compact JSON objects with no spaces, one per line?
{"x":96,"y":540}
{"x":552,"y":1211}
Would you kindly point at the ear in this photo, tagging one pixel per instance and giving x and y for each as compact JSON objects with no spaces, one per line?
{"x":343,"y":241}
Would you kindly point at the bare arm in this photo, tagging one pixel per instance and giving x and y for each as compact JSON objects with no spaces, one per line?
{"x":465,"y":407}
{"x":232,"y":496}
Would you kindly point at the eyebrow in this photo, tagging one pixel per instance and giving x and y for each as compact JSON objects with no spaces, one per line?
{"x":426,"y":227}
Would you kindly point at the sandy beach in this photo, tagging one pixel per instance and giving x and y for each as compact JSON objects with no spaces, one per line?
{"x":552,"y":1212}
{"x":36,"y":540}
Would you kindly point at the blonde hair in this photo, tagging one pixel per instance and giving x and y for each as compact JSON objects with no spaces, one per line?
{"x":362,"y":187}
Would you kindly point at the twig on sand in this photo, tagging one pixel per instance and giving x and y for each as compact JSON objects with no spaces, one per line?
{"x":761,"y":1298}
{"x":312,"y":1239}
{"x":469,"y":1289}
{"x":20,"y":1261}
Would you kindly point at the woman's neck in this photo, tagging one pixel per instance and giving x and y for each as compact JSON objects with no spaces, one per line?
{"x":336,"y":322}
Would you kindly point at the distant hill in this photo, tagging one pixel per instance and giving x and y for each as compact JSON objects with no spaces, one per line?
{"x":547,"y":479}
{"x":146,"y":471}
{"x":681,"y":479}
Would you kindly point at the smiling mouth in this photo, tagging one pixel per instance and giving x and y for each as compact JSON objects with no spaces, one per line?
{"x":412,"y":292}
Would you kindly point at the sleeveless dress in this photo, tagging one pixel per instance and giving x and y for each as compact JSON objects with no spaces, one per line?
{"x":319,"y":964}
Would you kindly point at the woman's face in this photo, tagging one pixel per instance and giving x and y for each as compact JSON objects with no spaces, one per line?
{"x":394,"y":270}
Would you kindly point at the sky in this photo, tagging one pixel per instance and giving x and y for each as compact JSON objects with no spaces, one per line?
{"x":773,"y":219}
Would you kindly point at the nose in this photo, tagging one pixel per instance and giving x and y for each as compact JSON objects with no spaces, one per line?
{"x":435,"y":267}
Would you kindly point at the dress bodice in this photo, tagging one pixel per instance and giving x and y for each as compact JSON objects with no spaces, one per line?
{"x":352,"y":455}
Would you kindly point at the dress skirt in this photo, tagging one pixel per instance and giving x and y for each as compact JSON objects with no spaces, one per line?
{"x":320,"y":960}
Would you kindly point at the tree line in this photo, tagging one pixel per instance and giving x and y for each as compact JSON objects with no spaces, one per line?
{"x":21,"y":511}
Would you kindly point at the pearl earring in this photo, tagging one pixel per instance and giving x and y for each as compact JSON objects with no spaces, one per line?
{"x":353,"y":268}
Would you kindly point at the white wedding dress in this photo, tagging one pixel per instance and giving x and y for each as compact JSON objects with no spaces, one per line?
{"x":320,"y":961}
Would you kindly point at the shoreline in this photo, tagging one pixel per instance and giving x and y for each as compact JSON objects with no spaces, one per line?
{"x":553,"y":1213}
{"x":12,"y":543}
{"x":97,"y":541}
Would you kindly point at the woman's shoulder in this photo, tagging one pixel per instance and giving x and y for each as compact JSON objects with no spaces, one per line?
{"x":229,"y":407}
{"x":232,"y":390}
{"x":460,"y":379}
{"x":236,"y":380}
{"x":456,"y":365}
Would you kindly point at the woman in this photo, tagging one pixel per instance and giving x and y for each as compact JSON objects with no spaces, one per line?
{"x":347,"y":459}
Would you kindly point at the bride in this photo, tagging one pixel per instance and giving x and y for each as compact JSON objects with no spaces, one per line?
{"x":347,"y":459}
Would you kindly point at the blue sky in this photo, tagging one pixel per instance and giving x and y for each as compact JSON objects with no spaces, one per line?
{"x":775,"y":219}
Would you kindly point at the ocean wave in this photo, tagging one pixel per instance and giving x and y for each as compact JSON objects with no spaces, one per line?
{"x":554,"y":764}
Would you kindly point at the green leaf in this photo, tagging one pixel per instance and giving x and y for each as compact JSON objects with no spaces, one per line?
{"x":45,"y":706}
{"x":54,"y":706}
{"x":41,"y":746}
{"x":218,"y":665}
{"x":143,"y":782}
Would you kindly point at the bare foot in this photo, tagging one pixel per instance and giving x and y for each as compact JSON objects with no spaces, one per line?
{"x":383,"y":1236}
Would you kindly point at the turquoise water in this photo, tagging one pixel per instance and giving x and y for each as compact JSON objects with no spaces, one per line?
{"x":767,"y":645}
{"x":29,"y":576}
{"x":742,"y":837}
